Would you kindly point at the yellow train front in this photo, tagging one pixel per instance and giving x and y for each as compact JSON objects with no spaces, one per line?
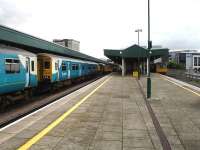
{"x":108,"y":68}
{"x":161,"y":68}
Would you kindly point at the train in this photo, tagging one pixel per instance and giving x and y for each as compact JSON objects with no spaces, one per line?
{"x":159,"y":66}
{"x":22,"y":72}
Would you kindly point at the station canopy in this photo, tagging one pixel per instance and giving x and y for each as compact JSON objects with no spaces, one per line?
{"x":134,"y":51}
{"x":27,"y":42}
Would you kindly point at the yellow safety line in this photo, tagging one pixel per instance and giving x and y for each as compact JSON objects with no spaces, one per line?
{"x":181,"y":86}
{"x":42,"y":133}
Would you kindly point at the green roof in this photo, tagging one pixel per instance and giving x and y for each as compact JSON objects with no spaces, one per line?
{"x":21,"y":40}
{"x":134,"y":51}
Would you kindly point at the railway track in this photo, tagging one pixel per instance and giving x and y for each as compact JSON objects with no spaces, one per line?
{"x":20,"y":110}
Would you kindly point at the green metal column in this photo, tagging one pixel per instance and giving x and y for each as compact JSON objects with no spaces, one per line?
{"x":149,"y":55}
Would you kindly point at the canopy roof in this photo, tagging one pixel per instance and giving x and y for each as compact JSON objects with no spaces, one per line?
{"x":134,"y":51}
{"x":18,"y":39}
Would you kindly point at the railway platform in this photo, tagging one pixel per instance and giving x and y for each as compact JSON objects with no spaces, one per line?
{"x":112,"y":114}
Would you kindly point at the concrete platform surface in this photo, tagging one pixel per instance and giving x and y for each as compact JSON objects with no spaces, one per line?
{"x":114,"y":117}
{"x":178,"y":111}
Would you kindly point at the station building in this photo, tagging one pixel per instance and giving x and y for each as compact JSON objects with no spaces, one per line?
{"x":189,"y":59}
{"x":134,"y":58}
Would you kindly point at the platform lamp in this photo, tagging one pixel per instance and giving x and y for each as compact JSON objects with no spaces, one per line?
{"x":138,"y":31}
{"x":149,"y":55}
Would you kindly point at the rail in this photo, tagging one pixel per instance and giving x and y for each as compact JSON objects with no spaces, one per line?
{"x":192,"y":75}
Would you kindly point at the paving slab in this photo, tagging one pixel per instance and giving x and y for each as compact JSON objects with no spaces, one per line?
{"x":178,"y":112}
{"x":115,"y":117}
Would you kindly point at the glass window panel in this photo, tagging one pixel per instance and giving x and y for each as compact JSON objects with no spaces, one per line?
{"x":17,"y":68}
{"x":77,"y":67}
{"x":56,"y":66}
{"x":8,"y":60}
{"x":73,"y":67}
{"x":16,"y":61}
{"x":198,"y":61}
{"x":32,"y":65}
{"x":12,"y":68}
{"x":64,"y":67}
{"x":47,"y":65}
{"x":7,"y":68}
{"x":195,"y":61}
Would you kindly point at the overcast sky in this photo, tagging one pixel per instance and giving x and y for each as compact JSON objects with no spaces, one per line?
{"x":106,"y":24}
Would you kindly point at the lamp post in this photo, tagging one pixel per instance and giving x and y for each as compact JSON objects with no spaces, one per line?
{"x":149,"y":55}
{"x":138,"y":31}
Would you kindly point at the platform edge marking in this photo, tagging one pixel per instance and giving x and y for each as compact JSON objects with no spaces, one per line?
{"x":42,"y":133}
{"x":181,"y":86}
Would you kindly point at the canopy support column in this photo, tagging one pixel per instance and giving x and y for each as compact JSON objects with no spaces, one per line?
{"x":123,"y":67}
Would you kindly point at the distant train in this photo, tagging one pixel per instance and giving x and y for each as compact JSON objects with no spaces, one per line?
{"x":22,"y":71}
{"x":159,"y":66}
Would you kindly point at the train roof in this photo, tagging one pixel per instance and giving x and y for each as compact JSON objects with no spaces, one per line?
{"x":68,"y":58}
{"x":12,"y":50}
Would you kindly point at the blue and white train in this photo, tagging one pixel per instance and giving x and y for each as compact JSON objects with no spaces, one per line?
{"x":18,"y":70}
{"x":22,"y":71}
{"x":53,"y":68}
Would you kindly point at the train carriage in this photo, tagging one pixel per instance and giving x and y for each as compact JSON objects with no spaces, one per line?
{"x":159,"y":66}
{"x":18,"y":70}
{"x":22,"y":71}
{"x":52,"y":68}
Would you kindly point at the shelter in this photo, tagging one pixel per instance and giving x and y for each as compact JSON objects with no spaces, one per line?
{"x":135,"y":57}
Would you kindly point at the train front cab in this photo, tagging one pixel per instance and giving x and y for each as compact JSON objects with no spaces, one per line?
{"x":161,"y":68}
{"x":100,"y":68}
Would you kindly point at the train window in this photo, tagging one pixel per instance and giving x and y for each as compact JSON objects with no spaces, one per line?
{"x":15,"y":60}
{"x":73,"y":67}
{"x":77,"y":67}
{"x":195,"y":61}
{"x":64,"y":67}
{"x":27,"y":66}
{"x":32,"y":65}
{"x":12,"y":65}
{"x":198,"y":61}
{"x":9,"y":60}
{"x":83,"y":68}
{"x":56,"y":66}
{"x":46,"y":65}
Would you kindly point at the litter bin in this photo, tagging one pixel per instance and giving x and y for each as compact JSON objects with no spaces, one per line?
{"x":135,"y":74}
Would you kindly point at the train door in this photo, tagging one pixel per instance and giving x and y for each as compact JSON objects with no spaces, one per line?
{"x":39,"y":68}
{"x":69,"y":70}
{"x":80,"y":70}
{"x":57,"y":69}
{"x":27,"y":72}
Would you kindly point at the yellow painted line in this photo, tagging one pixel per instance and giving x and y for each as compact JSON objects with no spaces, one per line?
{"x":181,"y":86}
{"x":38,"y":136}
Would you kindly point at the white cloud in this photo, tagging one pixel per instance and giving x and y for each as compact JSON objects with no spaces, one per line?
{"x":100,"y":24}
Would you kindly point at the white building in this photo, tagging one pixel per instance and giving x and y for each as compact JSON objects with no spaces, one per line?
{"x":189,"y":58}
{"x":69,"y":43}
